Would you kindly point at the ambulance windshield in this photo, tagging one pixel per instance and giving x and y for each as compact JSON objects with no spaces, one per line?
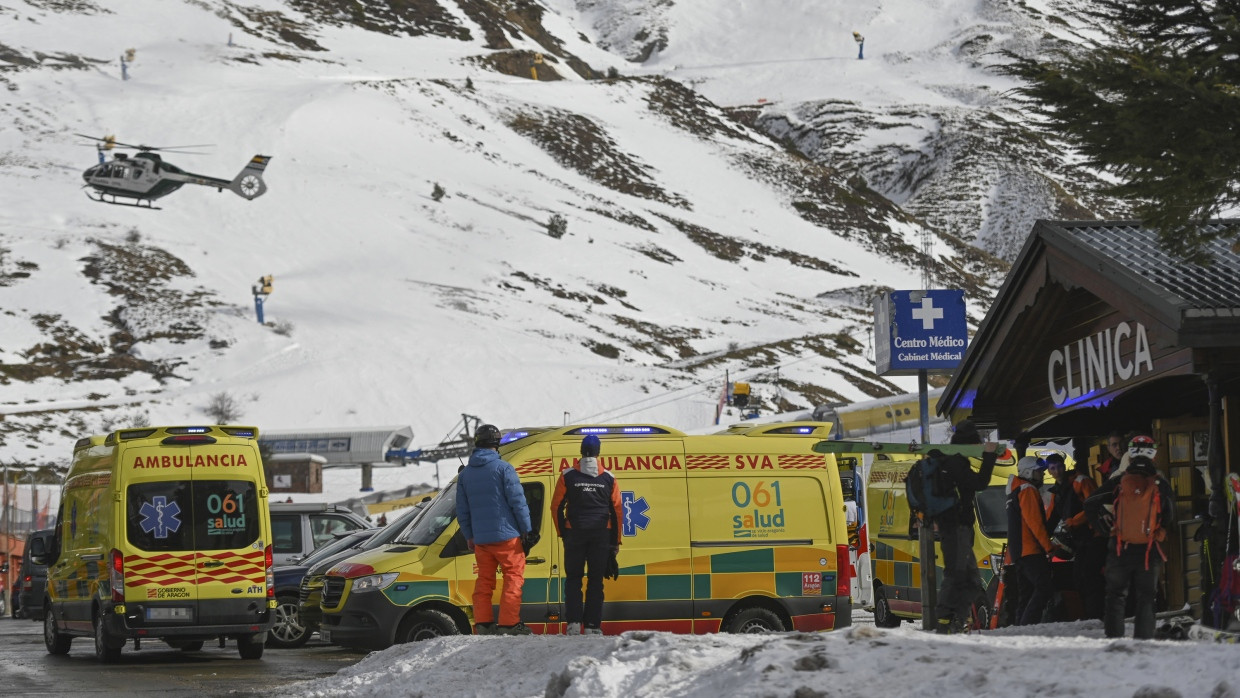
{"x":440,"y":512}
{"x":992,"y":512}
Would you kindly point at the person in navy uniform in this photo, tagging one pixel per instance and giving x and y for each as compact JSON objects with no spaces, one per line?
{"x":587,"y":517}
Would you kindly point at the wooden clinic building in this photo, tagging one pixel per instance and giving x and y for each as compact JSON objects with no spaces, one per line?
{"x":1097,"y":329}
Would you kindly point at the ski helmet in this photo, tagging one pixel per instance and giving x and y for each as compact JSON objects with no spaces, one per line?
{"x":487,"y":436}
{"x":1030,"y":468}
{"x":1142,"y":446}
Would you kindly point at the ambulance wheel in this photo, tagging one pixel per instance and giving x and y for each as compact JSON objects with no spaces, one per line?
{"x":251,"y":646}
{"x":107,"y":650}
{"x":883,"y":617}
{"x":756,"y":619}
{"x":289,"y":631}
{"x":425,"y":624}
{"x":56,"y":643}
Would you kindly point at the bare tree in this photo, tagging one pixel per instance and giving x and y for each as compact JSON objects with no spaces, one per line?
{"x":223,"y":408}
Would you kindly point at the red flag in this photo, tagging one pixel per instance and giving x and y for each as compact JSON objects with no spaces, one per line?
{"x":41,"y":519}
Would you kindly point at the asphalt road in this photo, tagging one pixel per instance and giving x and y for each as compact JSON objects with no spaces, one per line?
{"x":26,"y":669}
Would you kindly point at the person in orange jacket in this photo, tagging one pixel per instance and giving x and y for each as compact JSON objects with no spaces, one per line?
{"x":588,"y":513}
{"x":1088,"y":547}
{"x":1028,"y":540}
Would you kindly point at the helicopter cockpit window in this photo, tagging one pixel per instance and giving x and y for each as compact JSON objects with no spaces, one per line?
{"x":137,"y":173}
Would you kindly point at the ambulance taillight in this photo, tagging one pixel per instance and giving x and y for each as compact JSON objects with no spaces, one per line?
{"x":271,"y":575}
{"x":116,"y":575}
{"x":843,"y":571}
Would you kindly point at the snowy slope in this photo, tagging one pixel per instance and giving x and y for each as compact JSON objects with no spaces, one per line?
{"x":695,"y":244}
{"x":923,"y":119}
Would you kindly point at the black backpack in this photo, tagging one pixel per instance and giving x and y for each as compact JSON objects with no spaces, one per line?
{"x":929,"y":488}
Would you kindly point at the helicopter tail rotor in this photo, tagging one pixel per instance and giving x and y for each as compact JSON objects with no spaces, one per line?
{"x":249,"y":183}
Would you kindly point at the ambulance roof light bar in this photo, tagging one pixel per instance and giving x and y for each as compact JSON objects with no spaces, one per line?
{"x":619,"y":430}
{"x":513,"y":436}
{"x":821,"y":429}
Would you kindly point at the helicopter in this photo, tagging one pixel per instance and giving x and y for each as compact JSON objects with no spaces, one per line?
{"x":145,"y":176}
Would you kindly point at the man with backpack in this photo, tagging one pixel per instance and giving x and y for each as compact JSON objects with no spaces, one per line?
{"x":942,"y":489}
{"x":1136,"y":508}
{"x":588,"y":512}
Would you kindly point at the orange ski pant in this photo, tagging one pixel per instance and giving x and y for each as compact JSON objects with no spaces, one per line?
{"x":508,"y":556}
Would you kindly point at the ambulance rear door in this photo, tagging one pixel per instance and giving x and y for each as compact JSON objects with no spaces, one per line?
{"x":228,"y":532}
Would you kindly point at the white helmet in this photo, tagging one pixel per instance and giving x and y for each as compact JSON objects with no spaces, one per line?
{"x":1030,"y":467}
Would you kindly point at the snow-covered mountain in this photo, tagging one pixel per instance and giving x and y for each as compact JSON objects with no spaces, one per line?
{"x":735,"y":185}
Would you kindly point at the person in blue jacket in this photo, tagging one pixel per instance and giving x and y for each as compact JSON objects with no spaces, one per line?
{"x":495,"y":520}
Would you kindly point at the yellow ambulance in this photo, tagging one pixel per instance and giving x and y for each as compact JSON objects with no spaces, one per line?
{"x":742,"y":531}
{"x":896,"y":556}
{"x":163,"y":534}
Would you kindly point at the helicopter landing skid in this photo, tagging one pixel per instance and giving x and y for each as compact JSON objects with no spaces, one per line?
{"x":137,"y":203}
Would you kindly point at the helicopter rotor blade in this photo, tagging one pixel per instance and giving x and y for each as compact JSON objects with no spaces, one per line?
{"x":179,"y":152}
{"x":109,"y":141}
{"x":168,"y":148}
{"x":172,"y":147}
{"x":145,"y":148}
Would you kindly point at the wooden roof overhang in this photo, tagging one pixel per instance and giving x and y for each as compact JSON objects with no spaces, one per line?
{"x":1065,"y":302}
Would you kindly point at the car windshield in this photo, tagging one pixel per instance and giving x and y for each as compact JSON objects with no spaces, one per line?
{"x":992,"y":511}
{"x":352,"y":540}
{"x":393,"y":530}
{"x":436,"y":517}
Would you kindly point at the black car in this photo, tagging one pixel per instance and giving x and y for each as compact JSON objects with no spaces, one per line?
{"x":312,"y":584}
{"x":31,"y":582}
{"x":289,"y":631}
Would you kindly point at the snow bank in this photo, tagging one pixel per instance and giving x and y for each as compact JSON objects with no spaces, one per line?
{"x":1048,"y":660}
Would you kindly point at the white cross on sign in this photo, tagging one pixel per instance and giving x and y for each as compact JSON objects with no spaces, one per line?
{"x":927,"y":313}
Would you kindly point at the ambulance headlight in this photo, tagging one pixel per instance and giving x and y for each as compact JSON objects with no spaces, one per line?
{"x":373,"y":582}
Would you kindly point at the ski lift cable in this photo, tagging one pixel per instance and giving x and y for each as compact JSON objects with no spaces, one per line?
{"x":743,"y":376}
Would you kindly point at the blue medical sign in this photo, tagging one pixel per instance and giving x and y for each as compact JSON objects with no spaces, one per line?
{"x":160,"y":516}
{"x":919,"y":330}
{"x":635,"y":513}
